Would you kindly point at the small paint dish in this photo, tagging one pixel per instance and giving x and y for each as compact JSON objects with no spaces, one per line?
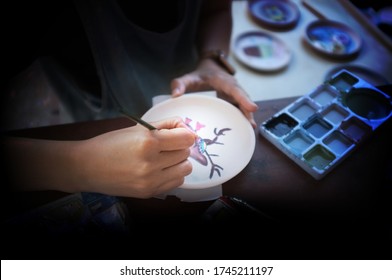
{"x":335,"y":114}
{"x":298,"y":141}
{"x":303,"y":109}
{"x":274,"y":14}
{"x":261,"y":51}
{"x":369,"y":75}
{"x":319,"y":157}
{"x":355,"y":129}
{"x":281,"y":125}
{"x":338,"y":142}
{"x":333,"y":39}
{"x":317,"y":126}
{"x":321,"y":128}
{"x":343,"y":82}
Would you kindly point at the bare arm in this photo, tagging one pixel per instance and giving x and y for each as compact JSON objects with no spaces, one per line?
{"x":215,"y":25}
{"x":214,"y":33}
{"x":133,"y":162}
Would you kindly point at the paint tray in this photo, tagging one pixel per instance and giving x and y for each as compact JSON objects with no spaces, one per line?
{"x":320,"y":129}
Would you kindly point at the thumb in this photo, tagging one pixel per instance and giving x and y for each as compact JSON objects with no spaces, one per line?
{"x":177,"y":87}
{"x":188,"y":83}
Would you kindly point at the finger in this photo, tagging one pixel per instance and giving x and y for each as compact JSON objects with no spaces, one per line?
{"x":177,"y":87}
{"x":168,"y":159}
{"x":242,"y":98}
{"x":244,"y":101}
{"x":174,"y":176}
{"x":174,"y":122}
{"x":249,"y":116}
{"x":175,"y":138}
{"x":168,"y":186}
{"x":188,"y":83}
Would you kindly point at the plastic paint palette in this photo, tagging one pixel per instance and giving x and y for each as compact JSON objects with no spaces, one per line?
{"x":320,"y":129}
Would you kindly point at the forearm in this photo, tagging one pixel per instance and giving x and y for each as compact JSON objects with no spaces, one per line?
{"x":215,"y":25}
{"x":33,"y":164}
{"x":131,"y":162}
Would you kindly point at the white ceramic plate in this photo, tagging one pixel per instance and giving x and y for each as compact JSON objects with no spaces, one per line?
{"x":228,"y":139}
{"x":261,"y":51}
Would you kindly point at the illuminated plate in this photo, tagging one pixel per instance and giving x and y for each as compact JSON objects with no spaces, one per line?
{"x":227,"y":140}
{"x":261,"y":51}
{"x":333,"y":39}
{"x":274,"y":14}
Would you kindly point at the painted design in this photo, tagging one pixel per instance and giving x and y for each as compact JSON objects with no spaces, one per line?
{"x":280,"y":14}
{"x":199,"y":149}
{"x":253,"y":51}
{"x":275,"y":13}
{"x":262,"y":51}
{"x":261,"y":47}
{"x":332,"y":40}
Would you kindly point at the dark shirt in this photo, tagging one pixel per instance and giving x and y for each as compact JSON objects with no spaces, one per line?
{"x":97,"y":56}
{"x":53,"y":28}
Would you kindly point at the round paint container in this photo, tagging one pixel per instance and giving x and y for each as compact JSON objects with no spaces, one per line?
{"x":368,"y":103}
{"x":274,"y":14}
{"x":332,"y":38}
{"x":261,"y":51}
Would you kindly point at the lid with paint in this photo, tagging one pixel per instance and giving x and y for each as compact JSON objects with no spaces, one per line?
{"x":261,"y":51}
{"x":332,"y":38}
{"x":274,"y":14}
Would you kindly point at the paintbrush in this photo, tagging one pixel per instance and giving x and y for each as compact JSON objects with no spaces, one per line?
{"x":138,"y":120}
{"x":313,"y":10}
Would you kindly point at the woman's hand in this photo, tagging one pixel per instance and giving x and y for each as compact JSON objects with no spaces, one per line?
{"x":137,"y":162}
{"x":130,"y":162}
{"x":210,"y":76}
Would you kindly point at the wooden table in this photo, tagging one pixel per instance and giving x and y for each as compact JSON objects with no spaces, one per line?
{"x":348,"y":205}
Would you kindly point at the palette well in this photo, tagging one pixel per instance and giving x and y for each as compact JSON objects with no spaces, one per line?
{"x":320,"y":129}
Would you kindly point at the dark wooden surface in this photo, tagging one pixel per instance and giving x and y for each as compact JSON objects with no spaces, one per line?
{"x":354,"y":199}
{"x":272,"y":181}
